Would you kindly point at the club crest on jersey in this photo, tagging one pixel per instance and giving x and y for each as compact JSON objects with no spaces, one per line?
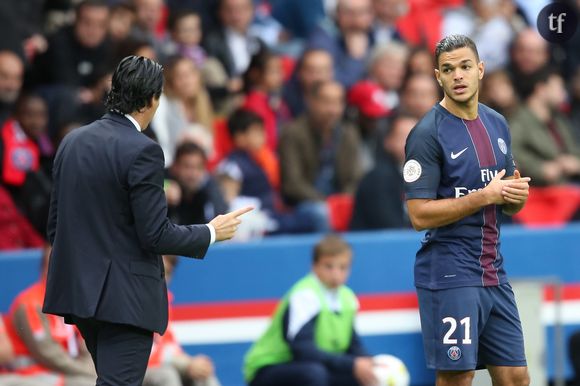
{"x":502,"y":145}
{"x":454,"y":353}
{"x":412,"y":171}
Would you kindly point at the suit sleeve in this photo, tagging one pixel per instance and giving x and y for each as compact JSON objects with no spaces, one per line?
{"x":149,"y":206}
{"x":53,"y":208}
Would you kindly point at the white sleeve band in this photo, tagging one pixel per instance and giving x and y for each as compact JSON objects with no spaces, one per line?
{"x":211,"y":234}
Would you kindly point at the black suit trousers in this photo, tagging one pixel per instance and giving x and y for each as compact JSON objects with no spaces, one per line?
{"x":120,"y":352}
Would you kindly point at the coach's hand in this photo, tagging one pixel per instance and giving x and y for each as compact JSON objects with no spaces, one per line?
{"x":363,"y":371}
{"x":226,"y":225}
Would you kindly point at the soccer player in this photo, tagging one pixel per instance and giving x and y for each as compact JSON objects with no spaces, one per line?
{"x":459,"y":176}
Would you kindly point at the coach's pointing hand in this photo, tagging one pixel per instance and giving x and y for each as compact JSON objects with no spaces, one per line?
{"x":225,"y":225}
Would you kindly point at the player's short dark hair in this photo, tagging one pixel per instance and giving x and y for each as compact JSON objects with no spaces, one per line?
{"x":188,"y":148}
{"x":331,"y":245}
{"x":528,"y":87}
{"x":240,"y":121}
{"x":175,"y":17}
{"x":135,"y":82}
{"x":452,"y":43}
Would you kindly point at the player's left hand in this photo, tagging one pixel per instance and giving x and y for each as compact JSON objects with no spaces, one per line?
{"x":517,"y":190}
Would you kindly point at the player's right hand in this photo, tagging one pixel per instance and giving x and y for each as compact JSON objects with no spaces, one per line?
{"x":226,"y":225}
{"x":363,"y":371}
{"x":493,"y":190}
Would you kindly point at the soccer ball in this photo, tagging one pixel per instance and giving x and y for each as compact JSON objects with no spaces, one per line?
{"x":390,"y":371}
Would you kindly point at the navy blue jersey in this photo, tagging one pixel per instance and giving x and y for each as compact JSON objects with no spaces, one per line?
{"x":449,"y":157}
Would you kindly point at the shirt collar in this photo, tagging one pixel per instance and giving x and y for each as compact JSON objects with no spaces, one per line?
{"x":134,"y":122}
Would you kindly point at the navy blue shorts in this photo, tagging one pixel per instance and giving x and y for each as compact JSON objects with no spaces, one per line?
{"x":468,"y":328}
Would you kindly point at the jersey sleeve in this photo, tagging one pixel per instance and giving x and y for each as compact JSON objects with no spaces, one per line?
{"x":510,"y":163}
{"x":422,"y":169}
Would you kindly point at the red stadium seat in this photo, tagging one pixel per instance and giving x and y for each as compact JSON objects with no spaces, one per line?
{"x":550,"y":206}
{"x":340,"y":207}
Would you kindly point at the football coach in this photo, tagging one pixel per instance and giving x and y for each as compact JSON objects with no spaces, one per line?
{"x":108,"y":225}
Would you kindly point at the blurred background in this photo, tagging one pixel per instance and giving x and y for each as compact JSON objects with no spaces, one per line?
{"x":300,"y":108}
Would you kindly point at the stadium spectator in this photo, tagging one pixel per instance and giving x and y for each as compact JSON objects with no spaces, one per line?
{"x":486,"y":23}
{"x":420,"y":92}
{"x":193,"y":195}
{"x":263,"y":81}
{"x":45,"y":348}
{"x":185,"y":28}
{"x":387,"y":12}
{"x":169,"y":364}
{"x":387,"y":66}
{"x":348,"y":38}
{"x":529,"y":53}
{"x":148,"y":18}
{"x":244,"y":166}
{"x":370,"y":102}
{"x":379,"y":200}
{"x":311,"y":339}
{"x":420,"y":61}
{"x":185,"y":111}
{"x":20,"y":28}
{"x":497,"y":91}
{"x":575,"y":103}
{"x":11,"y":77}
{"x":16,"y":232}
{"x":315,"y":65}
{"x":542,"y":138}
{"x":232,"y":43}
{"x":300,"y":17}
{"x":25,"y":158}
{"x":121,"y":21}
{"x":75,"y":52}
{"x":319,"y":152}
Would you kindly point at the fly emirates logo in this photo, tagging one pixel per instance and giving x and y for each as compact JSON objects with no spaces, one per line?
{"x":486,"y":176}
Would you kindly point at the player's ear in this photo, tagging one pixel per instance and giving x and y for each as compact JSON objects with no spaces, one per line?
{"x":437,"y":74}
{"x":481,"y":68}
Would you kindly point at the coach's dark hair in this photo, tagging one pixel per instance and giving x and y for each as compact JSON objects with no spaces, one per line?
{"x":241,"y":120}
{"x":453,"y":42}
{"x":135,"y":81}
{"x":331,"y":245}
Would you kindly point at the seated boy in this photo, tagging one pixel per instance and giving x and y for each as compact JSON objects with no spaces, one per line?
{"x":311,"y":340}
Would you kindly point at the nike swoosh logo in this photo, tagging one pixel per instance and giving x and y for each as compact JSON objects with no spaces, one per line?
{"x":453,"y":155}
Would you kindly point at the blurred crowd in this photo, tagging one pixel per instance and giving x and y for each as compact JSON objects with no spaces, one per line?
{"x":300,"y":108}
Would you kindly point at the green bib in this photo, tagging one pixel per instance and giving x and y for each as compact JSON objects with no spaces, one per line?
{"x":332,"y":331}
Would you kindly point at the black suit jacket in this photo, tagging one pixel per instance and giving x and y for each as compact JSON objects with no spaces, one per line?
{"x":108,"y":224}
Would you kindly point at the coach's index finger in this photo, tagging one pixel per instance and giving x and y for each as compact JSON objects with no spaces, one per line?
{"x":239,"y":212}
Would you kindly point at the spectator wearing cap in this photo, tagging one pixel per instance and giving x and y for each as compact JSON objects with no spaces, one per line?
{"x":371,"y":106}
{"x":379,"y":199}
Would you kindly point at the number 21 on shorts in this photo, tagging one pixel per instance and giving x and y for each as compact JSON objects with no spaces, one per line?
{"x":465,"y":323}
